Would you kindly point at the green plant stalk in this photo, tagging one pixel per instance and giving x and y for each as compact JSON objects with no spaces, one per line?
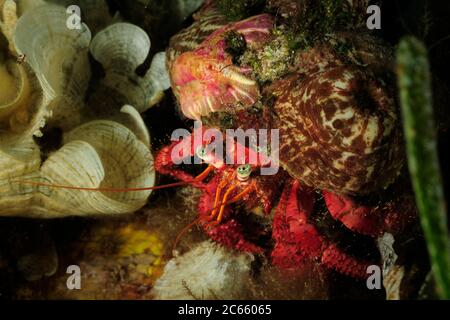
{"x":421,"y":143}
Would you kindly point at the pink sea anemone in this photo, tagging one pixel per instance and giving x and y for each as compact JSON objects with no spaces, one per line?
{"x":206,"y":80}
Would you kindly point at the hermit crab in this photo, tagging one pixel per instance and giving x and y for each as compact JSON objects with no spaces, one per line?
{"x":230,"y":187}
{"x":338,"y":133}
{"x":339,"y":142}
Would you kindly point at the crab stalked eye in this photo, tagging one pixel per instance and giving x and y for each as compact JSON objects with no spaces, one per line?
{"x":201,"y":152}
{"x":244,"y":171}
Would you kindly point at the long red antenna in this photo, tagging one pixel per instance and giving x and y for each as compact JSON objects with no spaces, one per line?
{"x":182,"y":232}
{"x":170,"y":185}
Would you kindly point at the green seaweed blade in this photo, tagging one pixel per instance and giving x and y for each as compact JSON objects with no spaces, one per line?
{"x":421,"y":143}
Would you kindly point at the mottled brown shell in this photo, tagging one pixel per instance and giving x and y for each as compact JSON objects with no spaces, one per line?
{"x":338,"y":130}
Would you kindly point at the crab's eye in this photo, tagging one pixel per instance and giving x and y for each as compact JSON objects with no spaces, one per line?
{"x":244,"y":171}
{"x":201,"y":152}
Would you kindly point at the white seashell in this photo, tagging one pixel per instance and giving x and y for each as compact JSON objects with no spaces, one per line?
{"x":97,"y":154}
{"x":94,"y":13}
{"x":208,"y":271}
{"x":22,"y":159}
{"x":135,"y":123}
{"x":121,"y":48}
{"x":8,"y":19}
{"x":26,"y":5}
{"x":128,"y":162}
{"x":393,"y":273}
{"x":180,"y":9}
{"x":48,"y":88}
{"x":184,"y":8}
{"x":23,"y":107}
{"x":59,"y":56}
{"x":158,"y":74}
{"x":392,"y":282}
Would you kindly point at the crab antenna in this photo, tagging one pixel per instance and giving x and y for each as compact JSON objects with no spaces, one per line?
{"x":170,"y":185}
{"x":182,"y":232}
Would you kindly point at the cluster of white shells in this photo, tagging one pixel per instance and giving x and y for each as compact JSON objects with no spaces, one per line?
{"x":49,"y":87}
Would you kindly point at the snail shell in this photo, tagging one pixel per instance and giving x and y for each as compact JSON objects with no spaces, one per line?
{"x":338,"y":130}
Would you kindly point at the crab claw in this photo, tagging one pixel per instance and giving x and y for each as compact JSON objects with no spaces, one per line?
{"x":184,"y":149}
{"x":362,"y":219}
{"x":298,"y":241}
{"x":164,"y":164}
{"x":393,"y":215}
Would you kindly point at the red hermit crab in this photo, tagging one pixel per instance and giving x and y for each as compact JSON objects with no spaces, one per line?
{"x":240,"y":183}
{"x":339,"y":135}
{"x":229,"y":179}
{"x":339,"y":139}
